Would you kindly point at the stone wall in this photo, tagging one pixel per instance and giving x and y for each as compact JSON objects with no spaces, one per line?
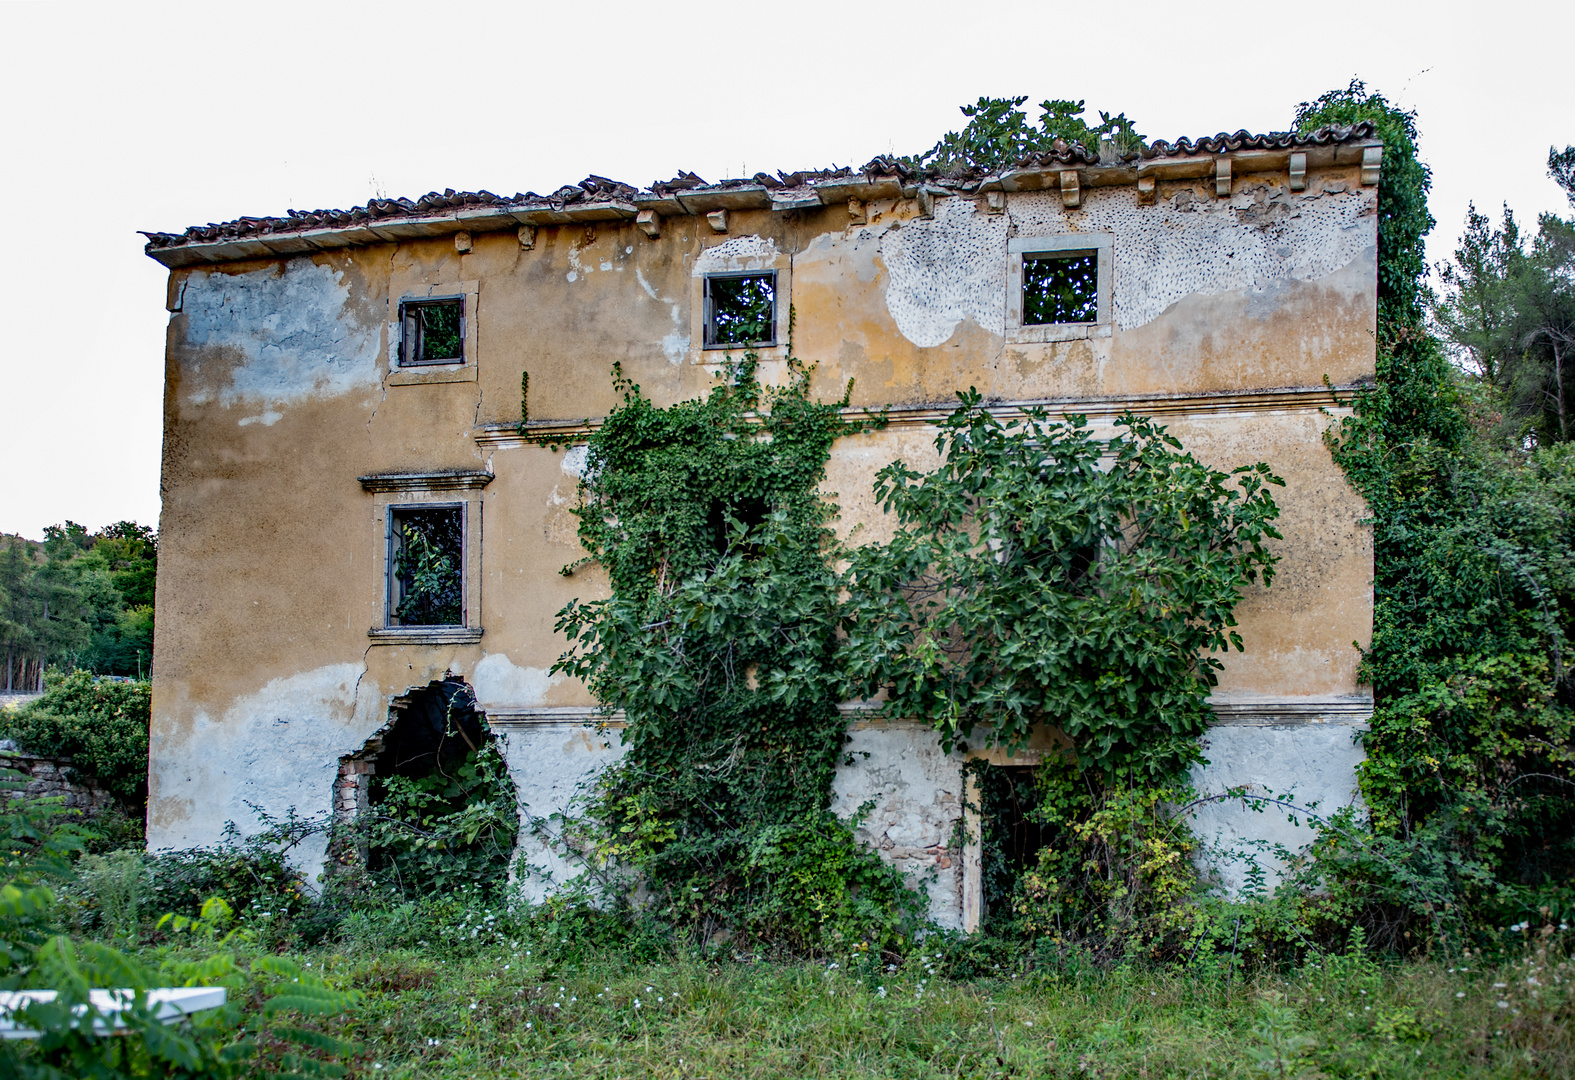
{"x":49,"y":777}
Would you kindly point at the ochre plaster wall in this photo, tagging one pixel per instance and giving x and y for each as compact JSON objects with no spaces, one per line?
{"x":278,"y":396}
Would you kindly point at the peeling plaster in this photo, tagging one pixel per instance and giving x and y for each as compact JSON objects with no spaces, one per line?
{"x":943,"y":271}
{"x":238,"y":760}
{"x":290,"y":333}
{"x":741,"y":253}
{"x":914,"y":790}
{"x":946,"y":270}
{"x":500,"y":684}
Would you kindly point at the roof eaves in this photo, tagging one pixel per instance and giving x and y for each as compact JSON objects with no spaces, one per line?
{"x":598,"y":198}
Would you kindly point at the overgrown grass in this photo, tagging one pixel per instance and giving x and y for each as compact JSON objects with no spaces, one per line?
{"x":505,"y":1011}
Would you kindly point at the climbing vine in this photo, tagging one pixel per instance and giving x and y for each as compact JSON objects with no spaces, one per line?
{"x":1469,"y":770}
{"x":719,"y":643}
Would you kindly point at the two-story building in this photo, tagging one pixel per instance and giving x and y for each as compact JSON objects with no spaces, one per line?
{"x":338,"y":383}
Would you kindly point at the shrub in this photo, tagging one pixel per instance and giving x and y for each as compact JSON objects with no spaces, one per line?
{"x":102,"y":726}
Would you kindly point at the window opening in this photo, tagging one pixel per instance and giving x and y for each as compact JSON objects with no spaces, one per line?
{"x":434,"y":331}
{"x":740,"y":309}
{"x":1061,"y":288}
{"x":426,"y":566}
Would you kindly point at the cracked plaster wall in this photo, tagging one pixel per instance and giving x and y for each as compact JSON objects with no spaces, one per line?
{"x":1312,"y":766}
{"x":915,"y":792}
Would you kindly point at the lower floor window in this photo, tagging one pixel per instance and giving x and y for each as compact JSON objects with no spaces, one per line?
{"x":426,"y":559}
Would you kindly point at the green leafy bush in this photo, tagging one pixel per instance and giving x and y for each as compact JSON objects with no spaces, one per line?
{"x":251,"y":874}
{"x":101,"y":725}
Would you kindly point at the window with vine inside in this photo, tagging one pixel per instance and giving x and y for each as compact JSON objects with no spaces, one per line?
{"x":426,"y":559}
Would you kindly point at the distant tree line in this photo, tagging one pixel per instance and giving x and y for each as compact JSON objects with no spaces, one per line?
{"x":77,"y":600}
{"x":1508,"y":307}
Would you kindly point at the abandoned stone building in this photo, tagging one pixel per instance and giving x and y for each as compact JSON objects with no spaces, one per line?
{"x":338,"y":382}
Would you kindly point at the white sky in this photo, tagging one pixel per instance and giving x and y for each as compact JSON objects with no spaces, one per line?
{"x":159,"y":116}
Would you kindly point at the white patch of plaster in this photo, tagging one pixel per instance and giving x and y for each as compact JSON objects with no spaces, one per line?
{"x":553,"y":767}
{"x":943,"y":271}
{"x":276,"y":749}
{"x":1187,"y":244}
{"x":739,"y":253}
{"x":289,"y":334}
{"x":574,"y":460}
{"x":500,"y":684}
{"x":1311,"y":766}
{"x":266,"y":419}
{"x":646,"y":285}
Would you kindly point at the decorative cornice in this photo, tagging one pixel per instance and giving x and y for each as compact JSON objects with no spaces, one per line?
{"x":425,"y":635}
{"x":450,"y":480}
{"x":1182,"y":406}
{"x":1240,"y":712}
{"x":1292,"y":712}
{"x":536,"y":715}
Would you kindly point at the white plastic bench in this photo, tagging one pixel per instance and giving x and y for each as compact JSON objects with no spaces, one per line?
{"x":169,"y":1004}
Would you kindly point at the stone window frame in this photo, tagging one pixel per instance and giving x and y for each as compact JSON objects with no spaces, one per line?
{"x":706,"y":313}
{"x":700,"y":352}
{"x":462,"y":370}
{"x":1100,"y":244}
{"x":393,"y":492}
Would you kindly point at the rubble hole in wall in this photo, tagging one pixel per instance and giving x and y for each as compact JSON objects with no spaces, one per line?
{"x":427,"y":804}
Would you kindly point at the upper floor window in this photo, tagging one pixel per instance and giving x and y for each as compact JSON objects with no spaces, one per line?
{"x":433,"y":331}
{"x":740,"y":310}
{"x":1058,"y":287}
{"x":1061,"y":288}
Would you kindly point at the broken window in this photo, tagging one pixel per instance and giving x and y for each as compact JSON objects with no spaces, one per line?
{"x":434,"y":331}
{"x":740,"y":309}
{"x":1061,"y":288}
{"x":426,"y":560}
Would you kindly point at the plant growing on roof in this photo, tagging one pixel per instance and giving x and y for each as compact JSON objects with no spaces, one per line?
{"x":998,"y":135}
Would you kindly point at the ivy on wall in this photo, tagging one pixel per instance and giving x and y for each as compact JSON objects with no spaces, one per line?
{"x":720,"y":644}
{"x":1469,"y":770}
